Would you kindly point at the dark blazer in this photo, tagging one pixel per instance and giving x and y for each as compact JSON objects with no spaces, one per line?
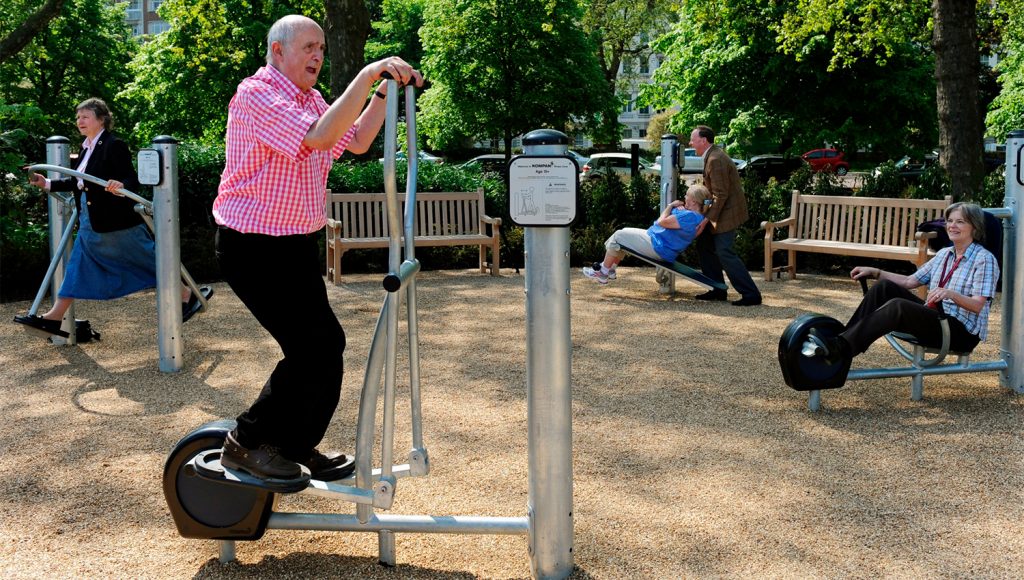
{"x":729,"y":210}
{"x":110,"y":160}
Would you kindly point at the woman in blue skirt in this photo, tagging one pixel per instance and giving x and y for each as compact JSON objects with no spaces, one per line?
{"x":114,"y":254}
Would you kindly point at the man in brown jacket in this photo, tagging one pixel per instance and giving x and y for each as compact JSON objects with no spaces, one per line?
{"x":728,"y":212}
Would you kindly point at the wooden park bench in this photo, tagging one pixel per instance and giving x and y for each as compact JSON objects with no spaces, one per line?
{"x":359,"y":220}
{"x":867,"y":227}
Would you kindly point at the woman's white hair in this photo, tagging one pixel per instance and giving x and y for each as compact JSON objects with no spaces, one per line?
{"x":283,"y":31}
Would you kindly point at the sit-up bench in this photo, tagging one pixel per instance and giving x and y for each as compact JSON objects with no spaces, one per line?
{"x":678,"y":269}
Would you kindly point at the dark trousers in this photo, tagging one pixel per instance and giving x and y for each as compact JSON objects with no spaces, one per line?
{"x":278,"y":279}
{"x":888,"y":307}
{"x":716,"y":254}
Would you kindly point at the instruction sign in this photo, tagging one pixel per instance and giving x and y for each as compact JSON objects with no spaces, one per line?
{"x":543,"y":190}
{"x":149,"y":167}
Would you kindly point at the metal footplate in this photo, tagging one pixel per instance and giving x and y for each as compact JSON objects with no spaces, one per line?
{"x":207,"y":465}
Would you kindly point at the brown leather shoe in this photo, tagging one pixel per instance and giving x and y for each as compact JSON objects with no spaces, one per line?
{"x":329,"y":468}
{"x":264,"y":462}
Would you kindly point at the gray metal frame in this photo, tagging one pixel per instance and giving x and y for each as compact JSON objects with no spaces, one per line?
{"x":669,"y":192}
{"x":160,"y":215}
{"x":548,"y":522}
{"x":1011,"y":352}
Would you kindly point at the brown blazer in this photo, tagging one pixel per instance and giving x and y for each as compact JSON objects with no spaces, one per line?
{"x":729,"y":210}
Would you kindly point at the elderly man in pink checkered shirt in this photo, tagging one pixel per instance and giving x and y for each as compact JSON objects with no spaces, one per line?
{"x":282,"y":137}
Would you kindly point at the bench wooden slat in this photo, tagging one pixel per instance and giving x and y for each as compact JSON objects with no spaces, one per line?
{"x":869,"y":227}
{"x":359,"y":220}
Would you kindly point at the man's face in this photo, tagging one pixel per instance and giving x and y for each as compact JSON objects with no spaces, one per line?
{"x":700,"y":144}
{"x":300,"y":58}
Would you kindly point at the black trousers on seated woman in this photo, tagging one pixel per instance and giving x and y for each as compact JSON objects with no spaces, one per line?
{"x":888,"y":307}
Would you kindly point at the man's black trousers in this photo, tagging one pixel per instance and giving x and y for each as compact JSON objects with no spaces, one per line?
{"x":278,"y":279}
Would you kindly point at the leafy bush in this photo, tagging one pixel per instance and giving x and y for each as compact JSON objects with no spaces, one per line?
{"x":24,"y":249}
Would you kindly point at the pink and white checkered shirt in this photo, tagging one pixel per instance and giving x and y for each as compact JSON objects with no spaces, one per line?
{"x":273,"y":184}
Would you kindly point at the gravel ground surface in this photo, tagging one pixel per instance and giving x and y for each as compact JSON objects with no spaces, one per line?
{"x":691,"y":456}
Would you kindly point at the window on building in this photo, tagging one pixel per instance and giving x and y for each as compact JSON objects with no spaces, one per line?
{"x":645,"y":111}
{"x":157,"y":26}
{"x":643,"y":133}
{"x":629,"y":106}
{"x":645,"y":66}
{"x":134,"y":11}
{"x":627,"y":133}
{"x":154,"y":5}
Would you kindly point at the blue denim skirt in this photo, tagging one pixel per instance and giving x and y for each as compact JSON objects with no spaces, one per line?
{"x":109,"y":265}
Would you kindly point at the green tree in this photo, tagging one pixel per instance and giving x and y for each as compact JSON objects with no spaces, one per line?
{"x":871,"y":29}
{"x":185,"y":77}
{"x":622,"y":30}
{"x":80,"y":55}
{"x":397,"y":33}
{"x":1007,"y":111}
{"x":724,"y":67}
{"x":18,"y":37}
{"x":504,"y":68}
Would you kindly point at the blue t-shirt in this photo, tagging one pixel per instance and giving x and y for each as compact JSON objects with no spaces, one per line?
{"x":670,"y":243}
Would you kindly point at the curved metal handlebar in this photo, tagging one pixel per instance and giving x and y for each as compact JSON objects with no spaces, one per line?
{"x":92,"y":179}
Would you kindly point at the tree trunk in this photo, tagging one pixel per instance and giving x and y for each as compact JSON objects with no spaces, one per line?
{"x":956,"y":80}
{"x":346,"y":28}
{"x":18,"y":38}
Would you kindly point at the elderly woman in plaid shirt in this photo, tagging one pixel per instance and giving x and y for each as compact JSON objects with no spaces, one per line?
{"x":282,"y":137}
{"x":961,"y":282}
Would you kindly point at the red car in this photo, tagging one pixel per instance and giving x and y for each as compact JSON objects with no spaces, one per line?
{"x":827,"y":160}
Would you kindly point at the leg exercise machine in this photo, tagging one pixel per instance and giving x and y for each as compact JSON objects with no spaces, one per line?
{"x":209,"y":501}
{"x":160,"y":215}
{"x":804,"y":369}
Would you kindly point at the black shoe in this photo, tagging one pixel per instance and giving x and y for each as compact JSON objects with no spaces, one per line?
{"x":40,"y":323}
{"x":713,"y":295}
{"x":329,"y":468}
{"x":263,"y":462}
{"x":193,"y":306}
{"x":747,"y":301}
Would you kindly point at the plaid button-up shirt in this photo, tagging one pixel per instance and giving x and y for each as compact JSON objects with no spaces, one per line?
{"x":975,"y":276}
{"x":273,"y":184}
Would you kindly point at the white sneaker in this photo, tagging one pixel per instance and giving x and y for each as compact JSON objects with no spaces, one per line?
{"x":598,"y":275}
{"x":597,"y":268}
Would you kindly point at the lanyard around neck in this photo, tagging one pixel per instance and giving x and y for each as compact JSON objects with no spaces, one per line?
{"x":944,"y":278}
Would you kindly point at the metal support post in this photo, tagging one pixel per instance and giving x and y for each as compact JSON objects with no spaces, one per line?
{"x":669,"y":193}
{"x":168,"y":256}
{"x":1012,"y":345}
{"x":548,"y":386}
{"x":58,"y":153}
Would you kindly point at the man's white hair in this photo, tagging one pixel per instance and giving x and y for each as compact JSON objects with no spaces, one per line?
{"x":283,"y":31}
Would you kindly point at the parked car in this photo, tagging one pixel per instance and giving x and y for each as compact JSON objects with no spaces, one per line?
{"x":827,"y":160}
{"x":764,"y":167}
{"x":490,"y":162}
{"x":423,"y":156}
{"x":581,"y":160}
{"x":910,"y":168}
{"x":690,"y":163}
{"x":617,"y":163}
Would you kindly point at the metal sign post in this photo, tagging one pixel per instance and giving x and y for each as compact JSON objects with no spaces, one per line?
{"x":543,"y":188}
{"x":669,"y":190}
{"x":168,"y":255}
{"x":58,"y":153}
{"x":1012,"y":349}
